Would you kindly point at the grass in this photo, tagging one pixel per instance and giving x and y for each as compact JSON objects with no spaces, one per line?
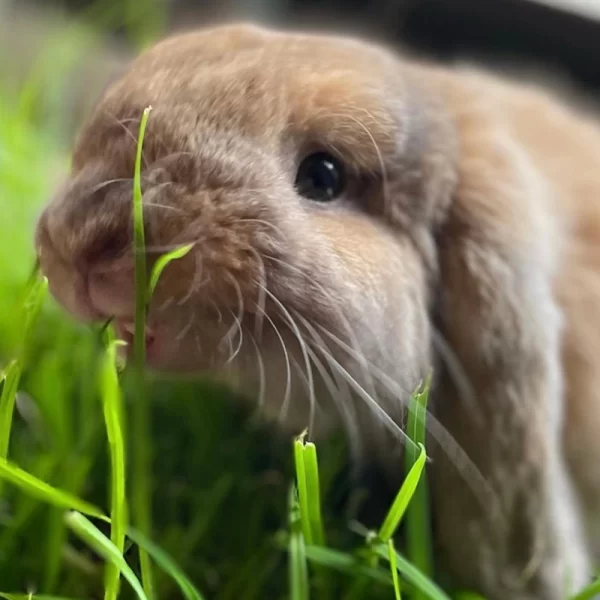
{"x":118,"y":486}
{"x":141,"y":496}
{"x":115,"y":426}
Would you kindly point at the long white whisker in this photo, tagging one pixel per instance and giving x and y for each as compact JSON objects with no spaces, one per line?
{"x":349,"y":330}
{"x":303,"y":376}
{"x":187,"y":327}
{"x":261,"y":374}
{"x":193,"y":283}
{"x":123,"y":124}
{"x":288,"y":384}
{"x":236,"y":326}
{"x":346,"y":409}
{"x":294,"y":327}
{"x":384,"y":175}
{"x":235,"y":352}
{"x":103,"y":184}
{"x":457,"y":374}
{"x":261,"y":222}
{"x":261,"y":302}
{"x":150,"y":204}
{"x":377,"y":408}
{"x":458,"y":457}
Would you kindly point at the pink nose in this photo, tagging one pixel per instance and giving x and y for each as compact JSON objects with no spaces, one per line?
{"x":112,"y":289}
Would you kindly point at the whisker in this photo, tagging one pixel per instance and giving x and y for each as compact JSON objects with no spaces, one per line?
{"x":349,"y":329}
{"x":163,"y":206}
{"x":307,"y":385}
{"x":336,"y":392}
{"x":458,"y":374}
{"x":384,"y":176}
{"x":238,"y":323}
{"x":261,"y":374}
{"x":288,"y":384}
{"x":362,"y":393}
{"x":123,"y":124}
{"x":103,"y":184}
{"x":294,"y":327}
{"x":151,"y":132}
{"x":262,"y":222}
{"x":197,"y":340}
{"x":194,"y":286}
{"x":261,"y":303}
{"x":227,"y":337}
{"x":453,"y":450}
{"x":187,"y":327}
{"x":236,"y":326}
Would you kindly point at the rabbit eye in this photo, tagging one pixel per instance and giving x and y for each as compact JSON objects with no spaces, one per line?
{"x":320,"y":177}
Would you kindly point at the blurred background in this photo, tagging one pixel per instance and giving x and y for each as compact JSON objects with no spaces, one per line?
{"x":219,"y":483}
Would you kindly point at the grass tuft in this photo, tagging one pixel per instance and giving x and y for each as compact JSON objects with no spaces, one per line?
{"x":309,"y":494}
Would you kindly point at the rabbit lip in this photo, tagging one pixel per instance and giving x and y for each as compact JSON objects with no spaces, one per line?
{"x":125,"y":329}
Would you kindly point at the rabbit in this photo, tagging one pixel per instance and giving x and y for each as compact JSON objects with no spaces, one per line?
{"x":360,"y":219}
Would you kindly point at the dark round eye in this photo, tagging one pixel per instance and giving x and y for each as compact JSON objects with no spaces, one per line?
{"x":320,"y":177}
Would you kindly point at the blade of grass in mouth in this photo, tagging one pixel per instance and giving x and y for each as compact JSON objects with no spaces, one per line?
{"x":141,"y":418}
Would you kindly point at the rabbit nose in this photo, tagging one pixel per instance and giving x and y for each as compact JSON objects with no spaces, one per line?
{"x":112,"y":288}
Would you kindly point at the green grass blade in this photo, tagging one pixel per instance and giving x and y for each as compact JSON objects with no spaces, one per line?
{"x":394,"y":569}
{"x":298,"y":574}
{"x":162,"y":263}
{"x":98,"y":542}
{"x":25,"y":509}
{"x":42,"y":491}
{"x":302,"y":490}
{"x":403,"y":497}
{"x":421,"y":582}
{"x":38,"y":289}
{"x":166,"y":563}
{"x":55,"y":534}
{"x":418,"y":531}
{"x":10,"y":384}
{"x":311,"y":467}
{"x":141,"y":418}
{"x":32,"y":597}
{"x":113,"y":417}
{"x":345,"y":563}
{"x":588,"y":593}
{"x":298,"y":571}
{"x":36,"y":292}
{"x":139,"y":245}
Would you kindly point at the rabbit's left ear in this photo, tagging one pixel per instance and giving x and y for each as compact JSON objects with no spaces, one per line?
{"x":497,"y":251}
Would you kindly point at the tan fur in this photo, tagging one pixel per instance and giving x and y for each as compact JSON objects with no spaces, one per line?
{"x":472,"y":217}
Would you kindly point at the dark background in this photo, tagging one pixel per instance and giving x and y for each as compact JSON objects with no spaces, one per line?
{"x":562,"y":40}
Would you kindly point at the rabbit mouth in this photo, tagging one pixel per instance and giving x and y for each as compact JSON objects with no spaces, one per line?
{"x":125,"y":331}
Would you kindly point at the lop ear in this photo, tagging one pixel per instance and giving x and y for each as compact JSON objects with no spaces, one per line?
{"x":422,"y":175}
{"x":497,"y":252}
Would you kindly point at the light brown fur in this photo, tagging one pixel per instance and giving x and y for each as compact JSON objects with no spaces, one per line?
{"x":472,"y":216}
